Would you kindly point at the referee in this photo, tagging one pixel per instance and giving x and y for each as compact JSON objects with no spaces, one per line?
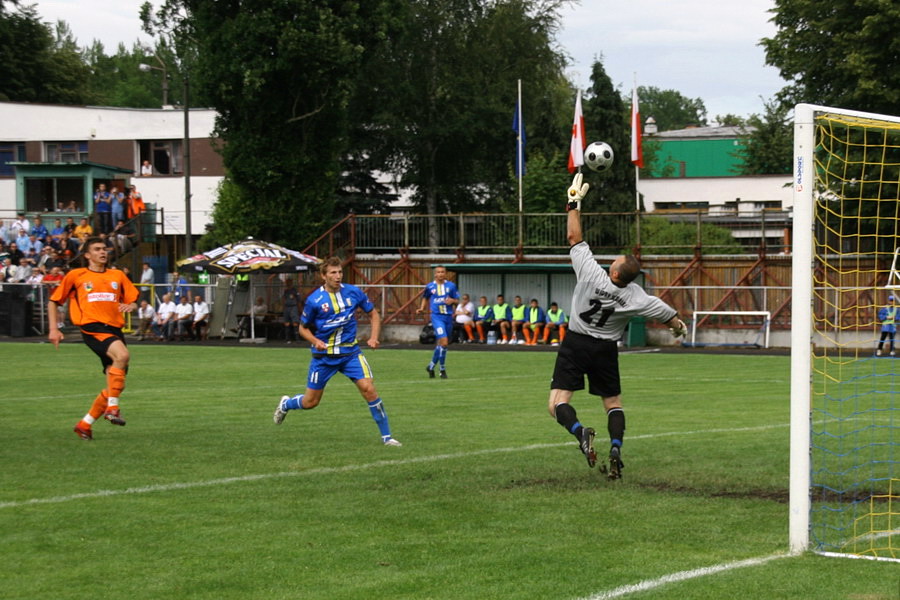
{"x":602,"y":305}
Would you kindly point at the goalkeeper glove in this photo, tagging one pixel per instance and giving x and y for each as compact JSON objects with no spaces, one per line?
{"x":678,"y":328}
{"x":577,"y":192}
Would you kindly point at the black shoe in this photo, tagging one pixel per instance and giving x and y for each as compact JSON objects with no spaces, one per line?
{"x":443,"y":373}
{"x":587,"y":445}
{"x":430,"y":372}
{"x":615,"y":463}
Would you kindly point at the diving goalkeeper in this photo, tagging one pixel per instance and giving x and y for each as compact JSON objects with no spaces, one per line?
{"x":602,"y":305}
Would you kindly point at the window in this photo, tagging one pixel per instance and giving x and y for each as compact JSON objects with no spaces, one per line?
{"x":165,"y":156}
{"x":67,"y":152}
{"x":10,"y":152}
{"x":43,"y":194}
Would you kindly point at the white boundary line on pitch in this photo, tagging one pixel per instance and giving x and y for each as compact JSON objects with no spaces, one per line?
{"x":649,"y":584}
{"x":165,"y":487}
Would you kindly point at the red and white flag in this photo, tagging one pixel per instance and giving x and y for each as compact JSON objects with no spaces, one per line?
{"x":576,"y":148}
{"x":637,"y":152}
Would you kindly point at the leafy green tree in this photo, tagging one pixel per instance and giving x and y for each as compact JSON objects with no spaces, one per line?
{"x":40,"y":64}
{"x":660,"y":236}
{"x":669,"y":108}
{"x":767,"y":146}
{"x":837,"y":53}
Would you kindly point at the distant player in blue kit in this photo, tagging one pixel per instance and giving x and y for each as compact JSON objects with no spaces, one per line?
{"x":328,"y":322}
{"x":441,"y":295}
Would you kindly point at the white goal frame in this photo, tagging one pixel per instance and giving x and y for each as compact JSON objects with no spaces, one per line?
{"x":802,"y":316}
{"x":737,"y":313}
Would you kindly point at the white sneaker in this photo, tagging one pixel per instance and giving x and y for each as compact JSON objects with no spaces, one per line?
{"x":392,"y":442}
{"x":555,"y":344}
{"x":502,"y":342}
{"x":892,"y":353}
{"x":878,"y":353}
{"x":280,"y":413}
{"x":520,"y":342}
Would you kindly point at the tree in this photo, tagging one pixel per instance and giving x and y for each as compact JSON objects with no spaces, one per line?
{"x":40,"y":64}
{"x":838,"y":53}
{"x":670,"y":108}
{"x":660,"y":236}
{"x":767,"y":146}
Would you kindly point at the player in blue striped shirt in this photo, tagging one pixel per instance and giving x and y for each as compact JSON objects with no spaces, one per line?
{"x":329,"y":323}
{"x":441,"y":295}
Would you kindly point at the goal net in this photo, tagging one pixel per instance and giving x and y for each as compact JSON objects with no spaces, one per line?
{"x":845,"y":394}
{"x":747,"y":328}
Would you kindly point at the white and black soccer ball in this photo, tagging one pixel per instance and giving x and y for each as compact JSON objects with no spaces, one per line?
{"x":598,"y":156}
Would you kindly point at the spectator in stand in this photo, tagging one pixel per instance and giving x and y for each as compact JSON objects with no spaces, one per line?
{"x":83,"y":231}
{"x":19,"y":224}
{"x":103,"y":208}
{"x":14,"y":253}
{"x":8,"y":274}
{"x":147,"y":277}
{"x":165,"y":319}
{"x":502,"y":317}
{"x":290,"y":307}
{"x":37,"y":246}
{"x":534,"y":322}
{"x":518,"y":321}
{"x":70,"y":226}
{"x":117,"y":203}
{"x":45,"y":259}
{"x":146,"y":169}
{"x":71,"y":207}
{"x":178,"y":286}
{"x":4,"y":233}
{"x":135,"y":203}
{"x":57,"y":231}
{"x":184,"y":317}
{"x":201,"y":319}
{"x":53,"y":277}
{"x":123,"y":237}
{"x":556,"y":325}
{"x":464,"y":315}
{"x":146,"y":318}
{"x":24,"y":271}
{"x":68,"y":247}
{"x":4,"y":253}
{"x":23,"y":243}
{"x":484,"y":319}
{"x":39,"y":230}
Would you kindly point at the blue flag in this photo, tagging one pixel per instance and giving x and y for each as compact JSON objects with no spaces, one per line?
{"x":519,"y":127}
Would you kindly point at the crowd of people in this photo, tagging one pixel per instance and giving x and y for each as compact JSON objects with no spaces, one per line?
{"x":518,"y":324}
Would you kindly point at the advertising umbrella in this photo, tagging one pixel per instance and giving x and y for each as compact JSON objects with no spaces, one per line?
{"x":249,"y":256}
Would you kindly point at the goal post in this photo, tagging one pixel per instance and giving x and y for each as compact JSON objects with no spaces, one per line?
{"x":845,"y":397}
{"x":764,"y":327}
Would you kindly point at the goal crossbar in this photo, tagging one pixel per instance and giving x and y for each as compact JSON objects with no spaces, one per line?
{"x":765,"y":325}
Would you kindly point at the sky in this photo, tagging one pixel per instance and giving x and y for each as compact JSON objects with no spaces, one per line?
{"x":706,"y":49}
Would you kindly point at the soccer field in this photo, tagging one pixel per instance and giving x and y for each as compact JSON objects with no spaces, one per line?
{"x":202,"y":496}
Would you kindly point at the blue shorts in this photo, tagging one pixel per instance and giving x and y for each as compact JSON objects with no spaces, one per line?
{"x":323,"y":368}
{"x":442,"y":324}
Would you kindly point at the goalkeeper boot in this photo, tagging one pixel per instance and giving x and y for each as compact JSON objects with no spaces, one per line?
{"x":615,"y":463}
{"x":280,"y":413}
{"x":587,"y":445}
{"x":112,"y":415}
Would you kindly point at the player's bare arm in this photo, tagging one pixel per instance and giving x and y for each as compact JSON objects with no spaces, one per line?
{"x":307,"y":335}
{"x":55,"y":336}
{"x":375,"y":333}
{"x":127,"y":308}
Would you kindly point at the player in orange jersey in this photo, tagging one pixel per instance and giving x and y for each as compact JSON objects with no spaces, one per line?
{"x":98,"y":298}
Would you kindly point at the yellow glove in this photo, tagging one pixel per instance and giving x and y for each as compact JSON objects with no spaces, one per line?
{"x":576,"y":193}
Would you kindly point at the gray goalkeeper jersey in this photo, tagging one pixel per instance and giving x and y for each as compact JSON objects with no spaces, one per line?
{"x":600,"y":308}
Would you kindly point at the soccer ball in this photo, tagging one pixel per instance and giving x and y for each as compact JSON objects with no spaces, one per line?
{"x":598,"y":156}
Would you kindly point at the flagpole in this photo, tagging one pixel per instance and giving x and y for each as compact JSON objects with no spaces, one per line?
{"x":636,"y":131}
{"x":519,"y":154}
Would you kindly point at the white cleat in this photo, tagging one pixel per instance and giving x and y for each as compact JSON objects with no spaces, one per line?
{"x":392,"y":442}
{"x":280,"y":413}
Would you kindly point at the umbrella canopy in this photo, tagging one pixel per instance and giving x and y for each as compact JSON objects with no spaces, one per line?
{"x":249,"y":256}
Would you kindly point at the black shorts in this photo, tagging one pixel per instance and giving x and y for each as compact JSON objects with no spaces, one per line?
{"x":291,"y":314}
{"x":581,"y":355}
{"x":99,"y":337}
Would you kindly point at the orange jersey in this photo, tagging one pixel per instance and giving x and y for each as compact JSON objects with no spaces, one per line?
{"x":95,"y":297}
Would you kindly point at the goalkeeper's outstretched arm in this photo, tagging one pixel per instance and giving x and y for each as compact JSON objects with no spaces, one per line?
{"x":574,"y":195}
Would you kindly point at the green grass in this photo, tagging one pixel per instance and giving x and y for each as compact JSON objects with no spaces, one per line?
{"x":488,"y":497}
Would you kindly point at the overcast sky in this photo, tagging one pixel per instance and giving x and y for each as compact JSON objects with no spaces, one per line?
{"x":705,"y":49}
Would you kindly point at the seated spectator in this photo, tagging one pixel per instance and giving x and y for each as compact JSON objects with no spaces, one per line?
{"x":555,"y":328}
{"x":71,"y":206}
{"x":146,"y":317}
{"x":23,"y":242}
{"x":534,"y":322}
{"x":9,"y":271}
{"x":24,"y":271}
{"x":18,"y":225}
{"x":201,"y":319}
{"x":517,"y":321}
{"x":83,"y":231}
{"x":146,"y":169}
{"x":165,"y":319}
{"x":258,"y":314}
{"x":484,"y":319}
{"x":39,"y":230}
{"x":184,"y":317}
{"x":4,"y":253}
{"x":463,"y":317}
{"x":57,"y":231}
{"x":53,"y":277}
{"x":70,"y":226}
{"x":15,"y":254}
{"x":37,"y":246}
{"x":123,"y":237}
